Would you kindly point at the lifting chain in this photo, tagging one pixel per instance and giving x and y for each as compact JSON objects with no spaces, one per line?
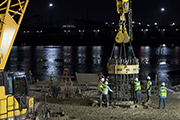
{"x":122,"y":35}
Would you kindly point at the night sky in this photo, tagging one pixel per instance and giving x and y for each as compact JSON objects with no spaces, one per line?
{"x":144,"y":11}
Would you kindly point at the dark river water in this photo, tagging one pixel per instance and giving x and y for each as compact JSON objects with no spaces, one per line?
{"x":42,"y":60}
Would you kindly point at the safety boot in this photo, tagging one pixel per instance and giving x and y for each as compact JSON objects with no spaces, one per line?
{"x":107,"y":104}
{"x":100,"y":104}
{"x":137,"y":102}
{"x":149,"y":99}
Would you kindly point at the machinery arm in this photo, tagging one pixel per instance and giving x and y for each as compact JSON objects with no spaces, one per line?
{"x":11,"y":15}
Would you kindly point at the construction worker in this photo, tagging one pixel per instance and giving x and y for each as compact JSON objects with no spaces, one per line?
{"x":106,"y":88}
{"x":163,"y":94}
{"x":51,"y":86}
{"x":107,"y":78}
{"x":137,"y":89}
{"x":100,"y":89}
{"x":52,"y":78}
{"x":148,"y":88}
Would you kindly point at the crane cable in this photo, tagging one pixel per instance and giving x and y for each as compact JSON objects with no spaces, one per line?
{"x":112,"y":51}
{"x":124,"y":51}
{"x":120,"y":51}
{"x":132,"y":49}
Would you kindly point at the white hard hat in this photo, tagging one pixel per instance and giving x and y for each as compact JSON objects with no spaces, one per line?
{"x":106,"y":83}
{"x":163,"y":84}
{"x":136,"y":79}
{"x":148,"y":78}
{"x":102,"y":79}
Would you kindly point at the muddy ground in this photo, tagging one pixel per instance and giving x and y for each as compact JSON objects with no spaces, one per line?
{"x":80,"y":108}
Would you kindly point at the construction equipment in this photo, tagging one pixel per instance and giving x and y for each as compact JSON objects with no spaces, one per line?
{"x":123,"y":69}
{"x":14,"y":99}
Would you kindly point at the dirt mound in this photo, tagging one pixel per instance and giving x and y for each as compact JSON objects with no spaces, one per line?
{"x":81,"y":109}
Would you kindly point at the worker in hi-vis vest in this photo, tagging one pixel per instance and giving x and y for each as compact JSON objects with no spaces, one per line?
{"x":137,"y":89}
{"x":52,"y":78}
{"x":100,"y":88}
{"x":106,"y":89}
{"x":148,"y":88}
{"x":163,"y":94}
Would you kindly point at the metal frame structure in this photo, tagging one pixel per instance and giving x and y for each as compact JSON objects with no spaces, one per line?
{"x":11,"y":15}
{"x":121,"y":77}
{"x":123,"y":71}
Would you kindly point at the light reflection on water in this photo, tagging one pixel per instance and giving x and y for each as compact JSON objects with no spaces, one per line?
{"x":42,"y":60}
{"x":159,"y":61}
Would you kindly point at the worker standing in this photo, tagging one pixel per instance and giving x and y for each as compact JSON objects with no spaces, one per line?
{"x":106,"y":88}
{"x":148,"y":88}
{"x":52,"y":87}
{"x":100,"y":90}
{"x":137,"y":87}
{"x":107,"y":78}
{"x":52,"y":78}
{"x":163,"y":94}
